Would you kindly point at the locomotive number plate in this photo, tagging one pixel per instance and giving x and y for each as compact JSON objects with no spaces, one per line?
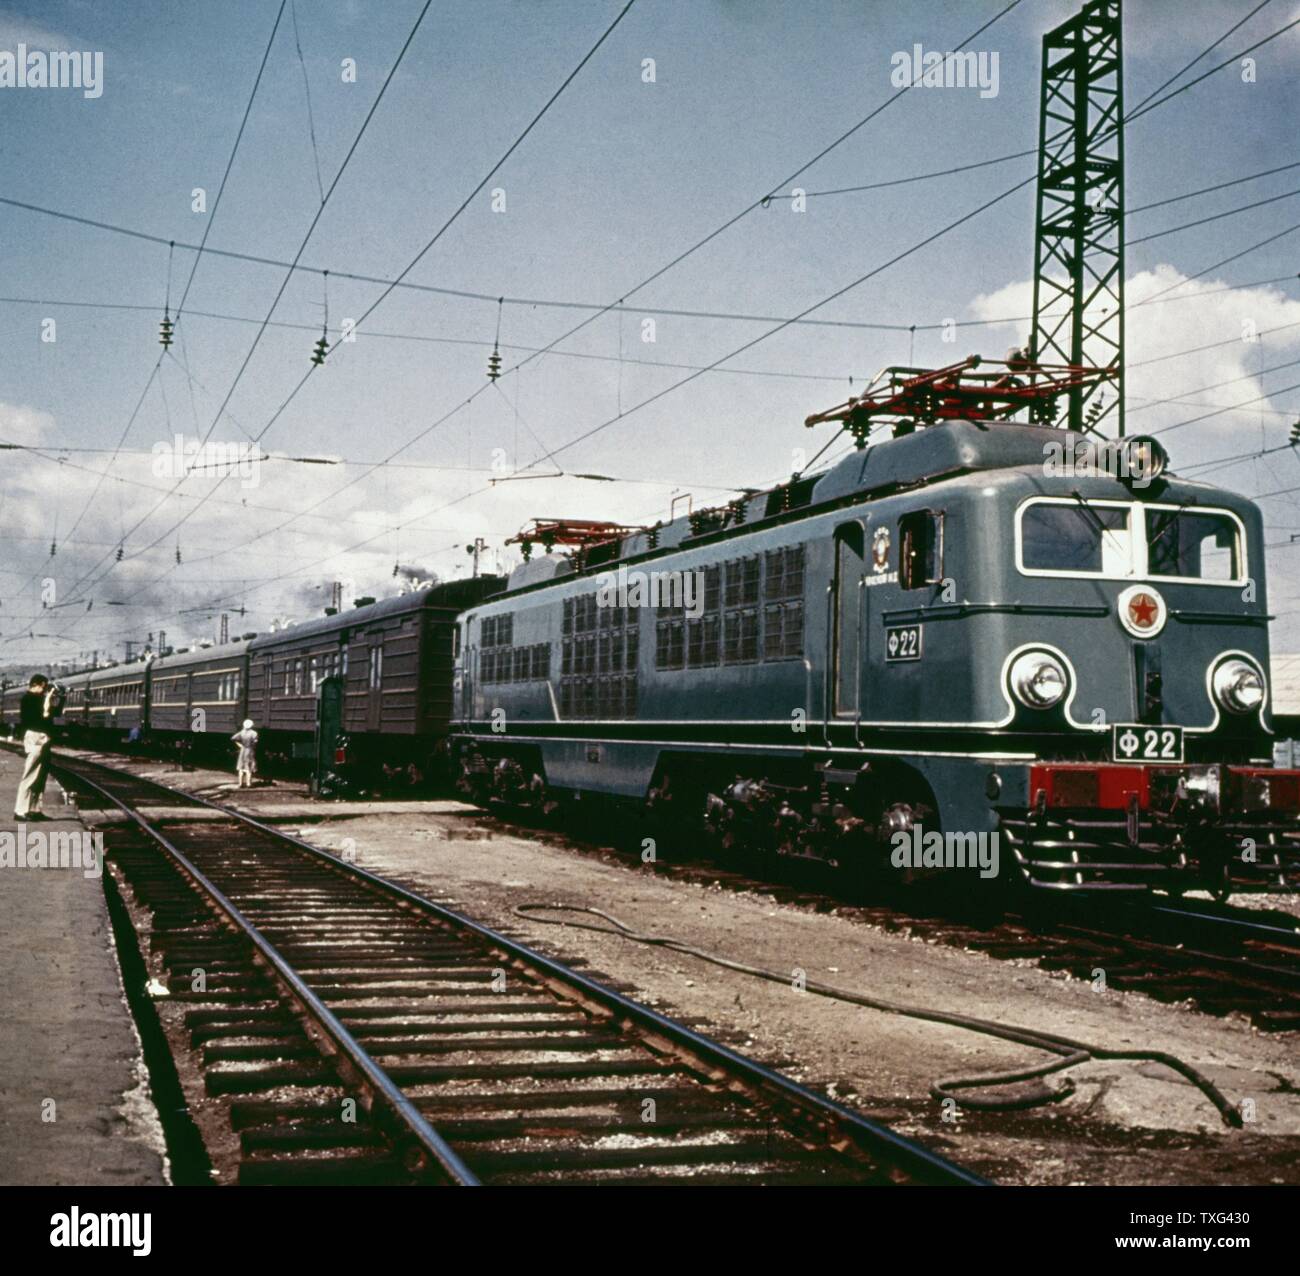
{"x":1135,"y":743}
{"x":903,"y":642}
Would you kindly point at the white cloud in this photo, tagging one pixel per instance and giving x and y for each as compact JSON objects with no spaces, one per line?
{"x":29,"y":427}
{"x":1199,"y":313}
{"x":396,"y":512}
{"x":40,"y":499}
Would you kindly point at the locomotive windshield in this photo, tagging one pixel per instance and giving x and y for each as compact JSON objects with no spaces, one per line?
{"x":1119,"y":540}
{"x":1195,"y":545}
{"x":1077,"y":538}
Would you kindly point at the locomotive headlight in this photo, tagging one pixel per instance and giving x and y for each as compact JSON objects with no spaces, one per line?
{"x":1145,"y":459}
{"x":1238,"y":686}
{"x":1038,"y":679}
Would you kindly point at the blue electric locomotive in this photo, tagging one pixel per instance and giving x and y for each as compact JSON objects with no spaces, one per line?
{"x":961,"y":637}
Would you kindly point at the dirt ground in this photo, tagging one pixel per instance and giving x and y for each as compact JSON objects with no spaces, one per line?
{"x":1126,"y":1122}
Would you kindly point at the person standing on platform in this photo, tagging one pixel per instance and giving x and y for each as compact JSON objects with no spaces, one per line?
{"x":41,"y":704}
{"x":246,"y":763}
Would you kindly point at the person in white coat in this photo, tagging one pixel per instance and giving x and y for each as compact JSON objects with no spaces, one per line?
{"x":246,"y":763}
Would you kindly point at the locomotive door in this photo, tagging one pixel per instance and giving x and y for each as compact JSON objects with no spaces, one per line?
{"x":845,"y":629}
{"x":466,"y":652}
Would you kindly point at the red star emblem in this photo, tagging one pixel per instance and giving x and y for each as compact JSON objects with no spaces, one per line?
{"x":1143,"y":610}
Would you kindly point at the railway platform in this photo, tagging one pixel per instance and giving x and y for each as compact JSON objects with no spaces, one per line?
{"x":74,"y":1103}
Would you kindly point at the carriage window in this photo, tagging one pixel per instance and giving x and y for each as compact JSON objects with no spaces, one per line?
{"x":1076,"y":538}
{"x":919,"y":559}
{"x":1194,"y":545}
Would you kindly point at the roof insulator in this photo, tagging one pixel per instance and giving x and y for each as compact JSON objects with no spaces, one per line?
{"x":494,"y":359}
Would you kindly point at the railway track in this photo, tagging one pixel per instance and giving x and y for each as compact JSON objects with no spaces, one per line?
{"x":351,"y":1031}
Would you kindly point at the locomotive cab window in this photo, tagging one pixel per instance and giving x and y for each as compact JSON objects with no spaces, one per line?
{"x":1193,"y":545}
{"x":1059,"y":536}
{"x":920,"y":558}
{"x":1089,"y":538}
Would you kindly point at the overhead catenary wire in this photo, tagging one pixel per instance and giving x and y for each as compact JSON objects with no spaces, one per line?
{"x":680,"y":257}
{"x":230,"y":162}
{"x":645,"y":402}
{"x":423,"y":251}
{"x":424,"y":432}
{"x":817,"y":305}
{"x":1204,"y":53}
{"x":441,"y":508}
{"x":56,"y":453}
{"x":1245,"y":403}
{"x":679,"y":312}
{"x":457,"y":501}
{"x":1200,"y":274}
{"x":844,"y":136}
{"x":531,"y":302}
{"x":1148,"y":105}
{"x":347,"y":159}
{"x":901,"y":325}
{"x":207,"y":229}
{"x":306,"y":88}
{"x":1203,"y":221}
{"x":522,"y":301}
{"x":1207,"y":190}
{"x":1218,"y":385}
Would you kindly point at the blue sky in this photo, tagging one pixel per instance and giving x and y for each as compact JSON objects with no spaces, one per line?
{"x":618,"y":178}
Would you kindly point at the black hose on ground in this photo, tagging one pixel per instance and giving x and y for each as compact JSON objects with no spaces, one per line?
{"x":1069,"y":1053}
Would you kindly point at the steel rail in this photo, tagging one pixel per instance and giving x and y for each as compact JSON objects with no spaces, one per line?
{"x":869,"y":1136}
{"x":428,"y":1146}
